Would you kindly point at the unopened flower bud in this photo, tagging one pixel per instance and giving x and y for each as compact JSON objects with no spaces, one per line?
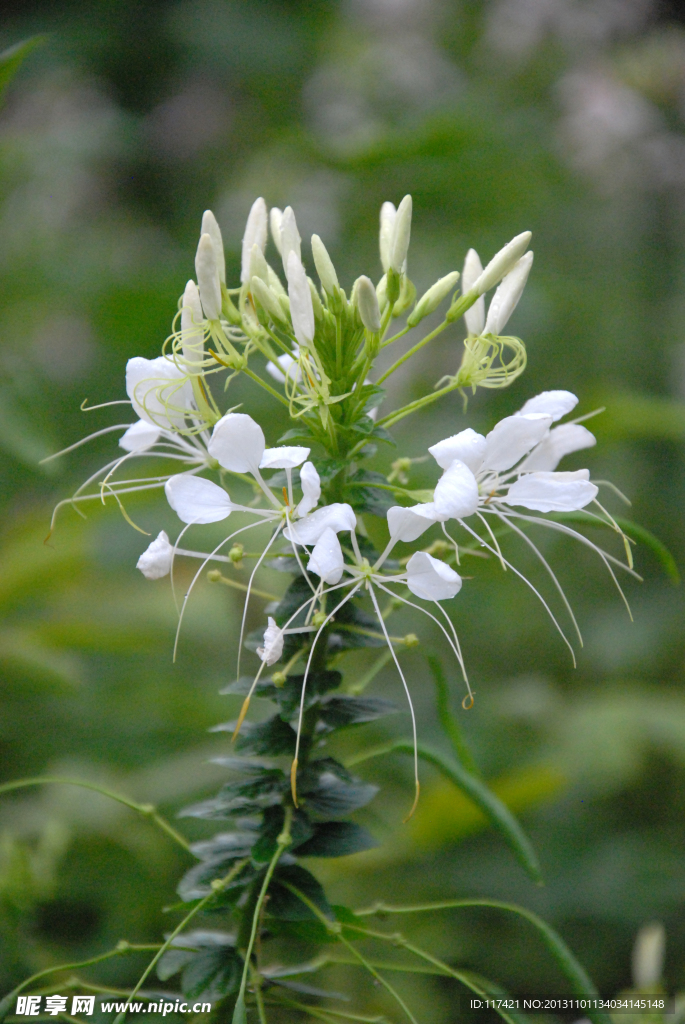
{"x":210,"y":227}
{"x":324,"y":266}
{"x":648,"y":956}
{"x":318,"y":619}
{"x":411,"y":640}
{"x":316,"y":301}
{"x":400,"y":236}
{"x":258,"y":265}
{"x":367,"y":303}
{"x":255,"y":234}
{"x":275,"y":221}
{"x":208,"y":277}
{"x":267,"y":300}
{"x":279,"y":679}
{"x":387,"y":228}
{"x":506,"y":298}
{"x":290,"y":237}
{"x":475,"y":316}
{"x":501,"y":263}
{"x":192,"y":331}
{"x":431,"y":299}
{"x":274,"y":282}
{"x":236,"y":553}
{"x":301,"y":307}
{"x":214,"y":576}
{"x":406,"y":298}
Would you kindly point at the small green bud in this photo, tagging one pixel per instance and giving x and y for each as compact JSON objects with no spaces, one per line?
{"x":123,"y":946}
{"x":236,"y":553}
{"x":278,"y":679}
{"x":267,"y":300}
{"x":217,"y":884}
{"x":214,"y":575}
{"x":406,"y":297}
{"x":258,"y":265}
{"x":392,"y":286}
{"x":411,"y":640}
{"x":274,"y":282}
{"x":228,"y":309}
{"x":324,"y":266}
{"x":431,"y":299}
{"x":318,"y":619}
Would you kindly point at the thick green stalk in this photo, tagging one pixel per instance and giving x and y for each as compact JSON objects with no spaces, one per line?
{"x":412,"y":351}
{"x":447,"y":719}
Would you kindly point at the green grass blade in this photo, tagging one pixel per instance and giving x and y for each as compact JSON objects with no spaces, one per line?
{"x":12,"y":59}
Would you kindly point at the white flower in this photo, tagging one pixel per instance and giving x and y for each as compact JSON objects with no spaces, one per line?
{"x":387,"y":229}
{"x":512,"y":438}
{"x":562,"y":440}
{"x":155,"y":561}
{"x":337,"y":517}
{"x":456,"y":494}
{"x":139,"y":436}
{"x":301,"y":307}
{"x":196,"y":500}
{"x":407,"y":524}
{"x":310,"y":482}
{"x":431,"y":579}
{"x":283,"y":458}
{"x":237,"y":443}
{"x":467,"y":446}
{"x":327,"y":557}
{"x":273,"y":643}
{"x":159,"y":391}
{"x":553,"y":492}
{"x":554,"y":403}
{"x":255,"y":234}
{"x":209,"y":283}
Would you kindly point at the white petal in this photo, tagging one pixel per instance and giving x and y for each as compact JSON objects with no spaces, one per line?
{"x":467,"y":446}
{"x":255,"y":234}
{"x":456,"y":493}
{"x":301,"y":308}
{"x":327,"y":558}
{"x":273,"y":643}
{"x":555,"y":403}
{"x":155,"y":561}
{"x":290,"y":237}
{"x":563,"y":440}
{"x":506,"y":298}
{"x":513,"y":437}
{"x":159,"y":391}
{"x":192,"y":329}
{"x":387,"y":230}
{"x":338,"y":517}
{"x":475,"y":316}
{"x":207,"y":270}
{"x":431,"y":579}
{"x":324,"y":266}
{"x":310,"y":482}
{"x":502,"y":262}
{"x":138,"y":437}
{"x":400,"y":235}
{"x":409,"y":523}
{"x":237,"y":443}
{"x":553,"y":492}
{"x":283,"y":458}
{"x":196,"y":500}
{"x":211,"y":227}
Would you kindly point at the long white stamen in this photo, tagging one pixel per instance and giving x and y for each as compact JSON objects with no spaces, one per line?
{"x":549,"y":569}
{"x":297,"y":555}
{"x":293,"y":769}
{"x":84,"y":440}
{"x":626,"y":544}
{"x":528,"y":583}
{"x":417,"y":786}
{"x":486,"y":524}
{"x":249,"y":587}
{"x":199,"y":571}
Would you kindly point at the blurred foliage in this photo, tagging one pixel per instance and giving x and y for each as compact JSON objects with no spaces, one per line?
{"x":114,"y":137}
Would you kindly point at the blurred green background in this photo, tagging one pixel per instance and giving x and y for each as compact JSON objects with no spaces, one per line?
{"x":562,"y":116}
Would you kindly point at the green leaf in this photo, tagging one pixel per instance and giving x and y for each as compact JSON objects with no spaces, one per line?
{"x":285,"y":905}
{"x":239,"y":1013}
{"x":496,"y":812}
{"x":210,"y":966}
{"x":337,"y":839}
{"x":274,"y":736}
{"x":330,"y":790}
{"x":197,"y":882}
{"x":338,"y":712}
{"x":299,"y":433}
{"x":301,"y":829}
{"x":12,"y":58}
{"x":384,"y":435}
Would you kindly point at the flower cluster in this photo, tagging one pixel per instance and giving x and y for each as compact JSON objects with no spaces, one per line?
{"x":309,"y":498}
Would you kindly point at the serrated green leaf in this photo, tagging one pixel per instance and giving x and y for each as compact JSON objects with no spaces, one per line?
{"x":285,"y":905}
{"x":337,"y":839}
{"x":341,"y":711}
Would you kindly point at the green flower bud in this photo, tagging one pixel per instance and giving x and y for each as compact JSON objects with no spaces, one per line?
{"x":431,"y":299}
{"x":367,"y":302}
{"x":324,"y":266}
{"x":263,"y":295}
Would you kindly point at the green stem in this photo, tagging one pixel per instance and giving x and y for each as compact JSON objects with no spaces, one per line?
{"x":121,"y":950}
{"x":362,"y":683}
{"x":283,"y":841}
{"x":412,"y":351}
{"x":412,"y":407}
{"x":228,"y":582}
{"x":447,"y":720}
{"x":567,"y":962}
{"x":396,"y":337}
{"x":147,"y":810}
{"x":494,"y":809}
{"x":267,"y":387}
{"x":217,"y":886}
